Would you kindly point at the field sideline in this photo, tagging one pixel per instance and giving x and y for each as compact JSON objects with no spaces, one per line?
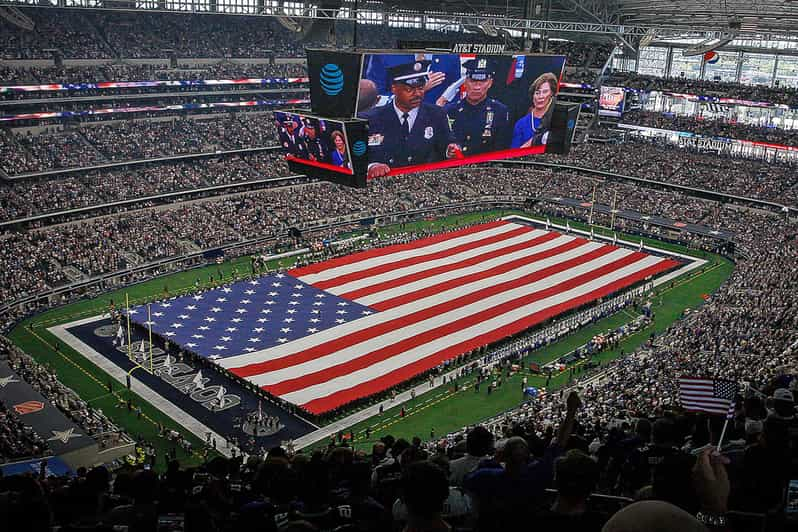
{"x":440,"y":409}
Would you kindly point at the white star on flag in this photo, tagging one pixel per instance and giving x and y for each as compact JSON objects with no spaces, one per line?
{"x":216,"y":309}
{"x":169,"y":333}
{"x":253,"y":340}
{"x":276,"y":284}
{"x":221,"y":299}
{"x":176,"y":325}
{"x":227,"y":289}
{"x":197,"y":336}
{"x":282,"y":340}
{"x":236,"y":320}
{"x":285,"y":329}
{"x":157,"y":314}
{"x":231,"y":329}
{"x":183,"y":316}
{"x":258,"y":329}
{"x":246,"y":301}
{"x":312,"y":330}
{"x":249,"y":349}
{"x":210,"y":319}
{"x":220,"y":347}
{"x":288,"y":320}
{"x":249,"y":292}
{"x":226,"y":338}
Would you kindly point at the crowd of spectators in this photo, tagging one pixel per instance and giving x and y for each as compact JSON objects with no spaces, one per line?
{"x":757,"y":93}
{"x":90,"y":144}
{"x":712,"y":127}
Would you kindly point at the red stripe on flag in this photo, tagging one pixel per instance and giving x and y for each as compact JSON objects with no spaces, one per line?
{"x":382,"y":328}
{"x":503,"y":268}
{"x":342,"y":397}
{"x":424,"y":337}
{"x":376,"y":252}
{"x":417,"y":276}
{"x":410,"y":261}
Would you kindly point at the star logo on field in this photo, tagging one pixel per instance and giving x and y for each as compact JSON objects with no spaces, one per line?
{"x":5,"y":381}
{"x":63,"y":435}
{"x":313,"y":330}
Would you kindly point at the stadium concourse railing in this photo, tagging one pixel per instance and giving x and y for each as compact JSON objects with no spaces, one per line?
{"x":95,"y":286}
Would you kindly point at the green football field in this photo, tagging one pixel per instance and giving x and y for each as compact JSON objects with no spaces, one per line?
{"x":441,"y":410}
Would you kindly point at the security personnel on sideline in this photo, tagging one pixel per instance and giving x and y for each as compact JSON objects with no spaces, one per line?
{"x":480,"y":124}
{"x":408,"y":131}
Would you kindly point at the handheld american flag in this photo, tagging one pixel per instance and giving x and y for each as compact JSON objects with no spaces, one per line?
{"x":713,"y":396}
{"x":324,"y":335}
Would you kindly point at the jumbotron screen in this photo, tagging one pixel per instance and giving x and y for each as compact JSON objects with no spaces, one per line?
{"x":314,"y":141}
{"x":428,"y":111}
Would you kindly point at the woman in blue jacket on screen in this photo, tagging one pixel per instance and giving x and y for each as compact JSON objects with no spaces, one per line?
{"x":340,"y":157}
{"x":532,"y":129}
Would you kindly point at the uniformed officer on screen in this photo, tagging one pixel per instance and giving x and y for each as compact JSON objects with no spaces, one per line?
{"x":480,"y":124}
{"x":408,"y":131}
{"x":317,"y":151}
{"x":291,"y":140}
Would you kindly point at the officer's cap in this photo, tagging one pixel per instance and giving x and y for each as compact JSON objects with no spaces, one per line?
{"x":412,"y":74}
{"x":309,"y":123}
{"x":478,"y":69}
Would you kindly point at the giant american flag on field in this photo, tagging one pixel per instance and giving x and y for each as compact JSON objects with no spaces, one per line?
{"x":332,"y":332}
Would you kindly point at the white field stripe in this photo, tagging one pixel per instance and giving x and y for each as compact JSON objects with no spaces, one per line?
{"x":385,"y":367}
{"x":429,"y":264}
{"x":355,"y":351}
{"x":388,"y":258}
{"x":307,"y":342}
{"x":390,"y":293}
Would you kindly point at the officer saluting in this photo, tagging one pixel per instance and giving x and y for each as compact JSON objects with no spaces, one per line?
{"x":317,"y":151}
{"x":291,"y":141}
{"x":480,"y":124}
{"x":408,"y":131}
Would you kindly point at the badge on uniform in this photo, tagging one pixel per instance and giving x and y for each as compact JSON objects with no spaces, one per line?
{"x":376,"y":139}
{"x":428,"y":132}
{"x":487,"y":132}
{"x":489,"y":118}
{"x":285,"y":144}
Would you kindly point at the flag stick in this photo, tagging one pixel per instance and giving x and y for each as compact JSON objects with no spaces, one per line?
{"x":149,"y":327}
{"x":723,"y":433}
{"x":127,"y":306}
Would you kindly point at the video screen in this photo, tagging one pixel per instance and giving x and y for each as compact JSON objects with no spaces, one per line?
{"x":428,"y":111}
{"x":314,"y":141}
{"x":611,"y":101}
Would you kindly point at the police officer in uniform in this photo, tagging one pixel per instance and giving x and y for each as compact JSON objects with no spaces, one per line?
{"x":291,"y":140}
{"x":317,"y":150}
{"x":408,"y":131}
{"x":479,"y":123}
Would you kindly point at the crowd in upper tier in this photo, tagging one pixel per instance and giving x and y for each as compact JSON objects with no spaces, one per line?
{"x":757,"y":93}
{"x":713,"y":127}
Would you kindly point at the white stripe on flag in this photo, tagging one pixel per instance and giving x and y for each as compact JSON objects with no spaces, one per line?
{"x":364,"y":375}
{"x":378,"y":260}
{"x":342,"y":330}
